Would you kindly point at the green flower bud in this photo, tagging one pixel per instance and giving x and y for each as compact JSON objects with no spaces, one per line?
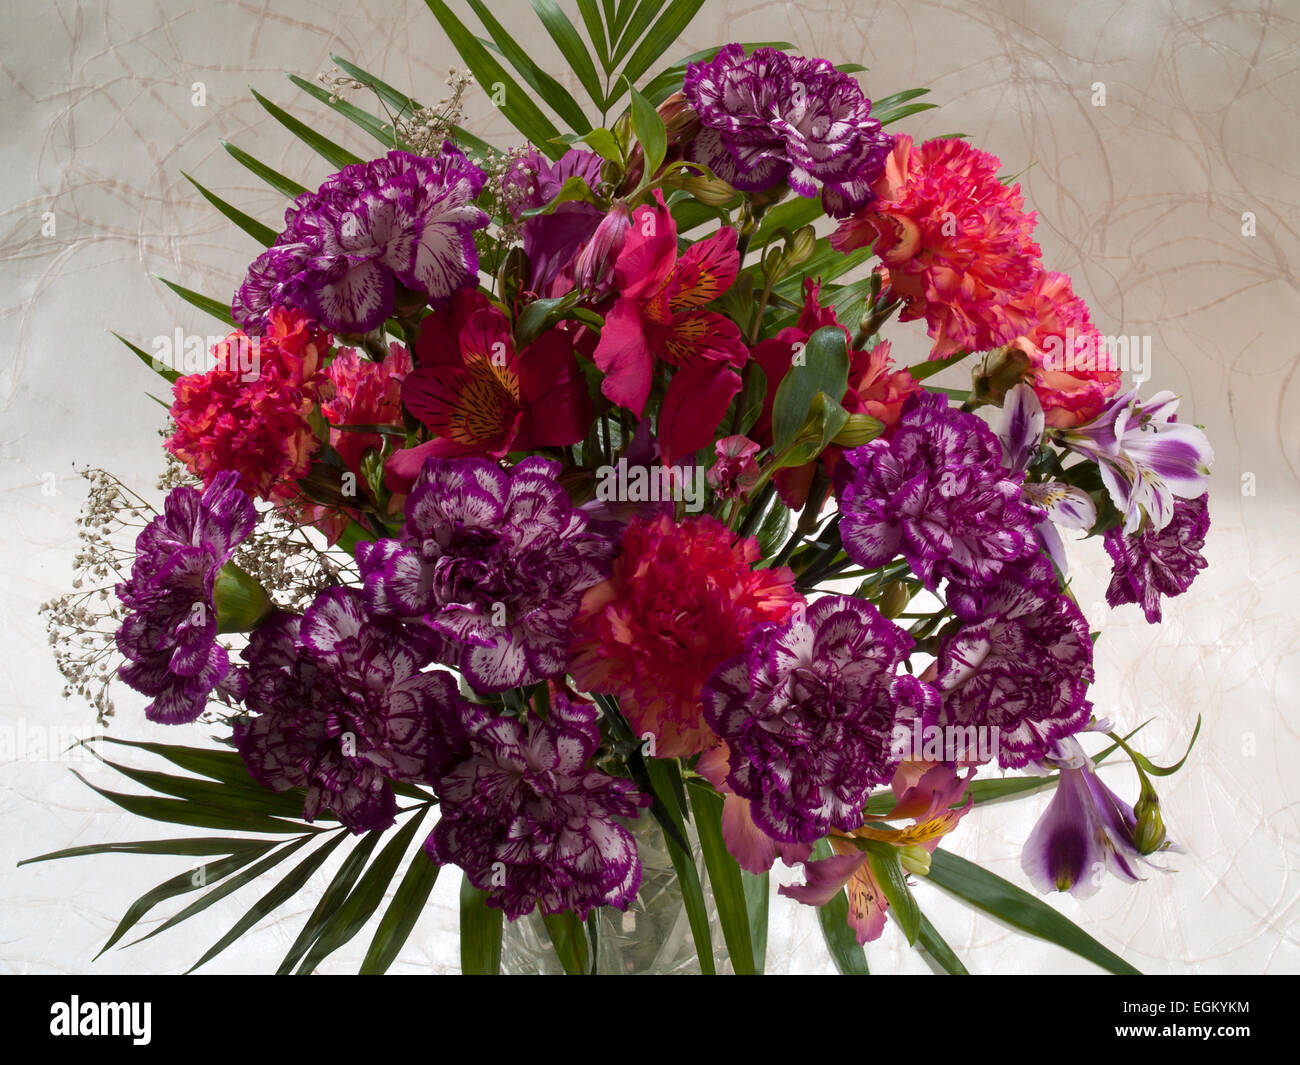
{"x":915,"y":859}
{"x":894,"y":598}
{"x":858,"y":430}
{"x":1149,"y":836}
{"x":242,"y":603}
{"x":999,"y":372}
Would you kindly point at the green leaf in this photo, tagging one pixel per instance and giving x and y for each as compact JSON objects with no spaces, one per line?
{"x":403,"y":911}
{"x":669,"y":790}
{"x":381,"y":130}
{"x":516,"y":104}
{"x":335,"y":895}
{"x":888,"y":103}
{"x":985,"y":791}
{"x":227,"y":887}
{"x":569,"y":938}
{"x":183,"y":812}
{"x":1164,"y":771}
{"x":157,"y":367}
{"x":263,"y":234}
{"x":221,"y":765}
{"x":822,"y":366}
{"x":180,"y":885}
{"x":661,"y":37}
{"x":934,"y":945}
{"x":650,"y":132}
{"x":333,"y":153}
{"x":273,"y":899}
{"x":573,"y":189}
{"x":599,"y":140}
{"x":194,"y":846}
{"x":724,"y":877}
{"x":539,"y":316}
{"x":480,"y":933}
{"x":216,"y":795}
{"x":639,"y":17}
{"x":887,"y":870}
{"x":365,"y":898}
{"x":757,"y":899}
{"x":571,"y":47}
{"x":788,"y":216}
{"x":906,"y":112}
{"x":921,"y":370}
{"x":599,"y":38}
{"x":550,"y":90}
{"x":841,"y":941}
{"x":204,"y":303}
{"x":825,"y":420}
{"x":1019,"y":909}
{"x":284,"y":185}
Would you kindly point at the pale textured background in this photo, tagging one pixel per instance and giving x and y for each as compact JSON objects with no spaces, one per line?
{"x":1141,"y":200}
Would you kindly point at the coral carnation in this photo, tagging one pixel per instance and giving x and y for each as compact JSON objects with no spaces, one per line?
{"x":957,"y":242}
{"x":683,"y":597}
{"x":250,"y":416}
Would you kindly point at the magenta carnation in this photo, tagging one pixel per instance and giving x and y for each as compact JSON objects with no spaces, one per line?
{"x":343,"y":708}
{"x":169,"y":637}
{"x":937,"y":493}
{"x":399,"y":220}
{"x":1019,"y":661}
{"x":1156,"y":562}
{"x":808,"y":713}
{"x":771,"y":117}
{"x":530,"y":823}
{"x":495,"y":561}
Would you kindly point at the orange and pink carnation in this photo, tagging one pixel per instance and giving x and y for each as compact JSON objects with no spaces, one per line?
{"x":249,"y":415}
{"x":1074,"y":373}
{"x":681,"y":599}
{"x":956,"y":242}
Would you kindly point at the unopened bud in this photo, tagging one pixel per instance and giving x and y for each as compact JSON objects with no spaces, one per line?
{"x":915,"y":859}
{"x":894,"y":598}
{"x":1149,"y":835}
{"x":858,"y":430}
{"x":242,"y":603}
{"x":593,"y":270}
{"x":999,"y":372}
{"x":681,"y":123}
{"x":799,"y":248}
{"x":712,"y":191}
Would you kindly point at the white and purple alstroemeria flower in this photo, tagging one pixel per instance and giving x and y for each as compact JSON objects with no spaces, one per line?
{"x":937,"y":493}
{"x":1160,"y":562}
{"x":169,"y":637}
{"x":494,"y":561}
{"x":530,"y":823}
{"x":1019,"y":661}
{"x":1146,"y":457}
{"x":403,"y":219}
{"x":808,"y":712}
{"x":342,"y":707}
{"x":771,"y":117}
{"x":1085,"y":831}
{"x":552,"y":241}
{"x":1019,"y":426}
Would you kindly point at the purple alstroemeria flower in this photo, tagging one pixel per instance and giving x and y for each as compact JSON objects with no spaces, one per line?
{"x":937,"y":493}
{"x":169,"y":636}
{"x":1019,"y":661}
{"x":494,"y":561}
{"x":1159,"y":562}
{"x":551,"y":241}
{"x":403,"y":219}
{"x":1085,"y":831}
{"x":808,"y":712}
{"x":342,"y":707}
{"x":1146,"y":457}
{"x":1019,"y":426}
{"x":771,"y":117}
{"x":530,"y":823}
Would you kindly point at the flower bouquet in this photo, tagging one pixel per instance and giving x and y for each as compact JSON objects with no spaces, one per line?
{"x":551,"y":509}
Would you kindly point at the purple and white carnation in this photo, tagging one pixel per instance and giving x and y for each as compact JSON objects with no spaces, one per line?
{"x":1019,"y":660}
{"x":771,"y":117}
{"x":937,"y":493}
{"x":342,"y":708}
{"x":552,"y":241}
{"x":403,"y":219}
{"x":1158,"y":562}
{"x":530,"y":823}
{"x":495,"y":561}
{"x":169,"y":636}
{"x":808,"y":714}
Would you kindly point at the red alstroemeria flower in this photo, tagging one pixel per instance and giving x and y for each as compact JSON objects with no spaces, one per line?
{"x":660,"y":315}
{"x":480,"y":396}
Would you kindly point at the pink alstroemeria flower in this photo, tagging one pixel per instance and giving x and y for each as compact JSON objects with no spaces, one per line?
{"x":659,"y":316}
